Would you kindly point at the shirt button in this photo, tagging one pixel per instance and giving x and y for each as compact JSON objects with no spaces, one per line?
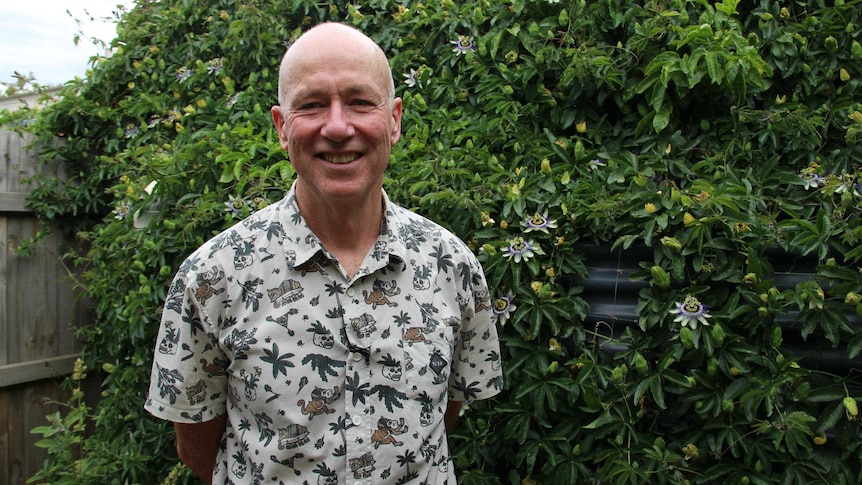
{"x":357,"y":420}
{"x":357,"y":356}
{"x":351,"y":292}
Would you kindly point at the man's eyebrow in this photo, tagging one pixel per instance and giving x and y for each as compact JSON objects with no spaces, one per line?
{"x":352,"y":90}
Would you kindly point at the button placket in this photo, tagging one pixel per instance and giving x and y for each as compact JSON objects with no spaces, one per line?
{"x":359,"y":365}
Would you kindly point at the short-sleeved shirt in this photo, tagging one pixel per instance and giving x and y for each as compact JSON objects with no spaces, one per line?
{"x":326,"y":379}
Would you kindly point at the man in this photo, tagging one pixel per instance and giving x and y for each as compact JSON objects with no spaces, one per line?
{"x":331,"y":337}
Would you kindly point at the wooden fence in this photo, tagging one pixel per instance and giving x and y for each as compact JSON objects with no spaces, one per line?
{"x":37,"y":314}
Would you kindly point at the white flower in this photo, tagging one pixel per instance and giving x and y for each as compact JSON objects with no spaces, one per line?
{"x":689,"y":312}
{"x":503,"y":307}
{"x":539,"y":222}
{"x":410,"y":78}
{"x":463,"y":44}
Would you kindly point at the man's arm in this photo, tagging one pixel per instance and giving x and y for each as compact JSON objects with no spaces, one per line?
{"x":198,"y":445}
{"x":452,"y":410}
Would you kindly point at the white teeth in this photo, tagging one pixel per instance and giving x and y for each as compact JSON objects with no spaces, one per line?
{"x":341,"y":158}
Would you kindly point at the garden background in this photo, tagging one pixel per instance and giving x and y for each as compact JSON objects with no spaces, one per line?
{"x":665,"y":196}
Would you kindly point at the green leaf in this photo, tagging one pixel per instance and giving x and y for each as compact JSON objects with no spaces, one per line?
{"x":658,"y":393}
{"x":675,"y":378}
{"x":641,"y":389}
{"x":662,"y":118}
{"x":736,"y":388}
{"x":713,"y":66}
{"x":605,"y":419}
{"x":46,"y":443}
{"x":830,"y":417}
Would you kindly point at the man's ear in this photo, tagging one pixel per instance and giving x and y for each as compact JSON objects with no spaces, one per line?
{"x":397,"y":107}
{"x":278,"y":121}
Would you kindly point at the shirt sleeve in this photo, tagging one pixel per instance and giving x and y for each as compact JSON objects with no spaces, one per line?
{"x":188,"y":380}
{"x":476,"y":369}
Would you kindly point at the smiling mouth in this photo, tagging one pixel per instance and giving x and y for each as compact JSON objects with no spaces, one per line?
{"x":340,"y":158}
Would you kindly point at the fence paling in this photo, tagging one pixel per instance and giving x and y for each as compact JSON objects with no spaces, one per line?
{"x":38,"y":314}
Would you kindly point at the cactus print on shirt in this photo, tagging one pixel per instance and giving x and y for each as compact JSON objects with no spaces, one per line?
{"x":325,"y":379}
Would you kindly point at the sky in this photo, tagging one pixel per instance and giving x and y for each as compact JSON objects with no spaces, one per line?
{"x":37,"y":36}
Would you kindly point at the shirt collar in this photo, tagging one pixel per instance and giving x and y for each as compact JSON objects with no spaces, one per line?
{"x":305,"y":244}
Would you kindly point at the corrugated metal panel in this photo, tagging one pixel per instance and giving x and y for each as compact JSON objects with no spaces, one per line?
{"x":613,"y":299}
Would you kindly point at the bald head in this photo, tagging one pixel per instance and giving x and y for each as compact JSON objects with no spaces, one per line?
{"x":329,"y":43}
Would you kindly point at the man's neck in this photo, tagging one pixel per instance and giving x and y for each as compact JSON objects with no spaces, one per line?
{"x":347,"y":230}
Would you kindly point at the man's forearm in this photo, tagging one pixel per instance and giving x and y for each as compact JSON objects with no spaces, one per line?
{"x":198,"y":445}
{"x":453,"y":409}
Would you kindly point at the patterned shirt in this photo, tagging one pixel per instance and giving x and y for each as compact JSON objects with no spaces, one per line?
{"x":326,"y":379}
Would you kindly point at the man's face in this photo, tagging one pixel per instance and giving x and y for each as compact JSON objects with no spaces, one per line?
{"x":337,"y":120}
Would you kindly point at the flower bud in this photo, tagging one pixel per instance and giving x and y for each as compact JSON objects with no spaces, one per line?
{"x":563,"y":18}
{"x":641,"y":364}
{"x":660,"y":277}
{"x":671,"y":243}
{"x":685,"y":337}
{"x":419,"y":103}
{"x":776,"y":339}
{"x":690,"y":451}
{"x":753,"y":39}
{"x":536,"y":286}
{"x":580,"y":152}
{"x":718,"y":334}
{"x":619,"y":373}
{"x":850,"y":408}
{"x":712,"y":366}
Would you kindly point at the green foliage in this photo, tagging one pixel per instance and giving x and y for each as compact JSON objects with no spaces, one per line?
{"x":710,"y":146}
{"x":77,"y":459}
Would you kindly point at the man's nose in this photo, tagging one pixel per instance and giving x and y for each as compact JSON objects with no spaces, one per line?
{"x":337,"y":125}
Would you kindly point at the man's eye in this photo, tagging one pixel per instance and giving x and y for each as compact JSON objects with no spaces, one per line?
{"x":310,"y":105}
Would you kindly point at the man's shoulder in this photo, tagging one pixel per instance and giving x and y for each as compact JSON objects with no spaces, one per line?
{"x":404,"y":217}
{"x":263,"y":225}
{"x":414,"y":229}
